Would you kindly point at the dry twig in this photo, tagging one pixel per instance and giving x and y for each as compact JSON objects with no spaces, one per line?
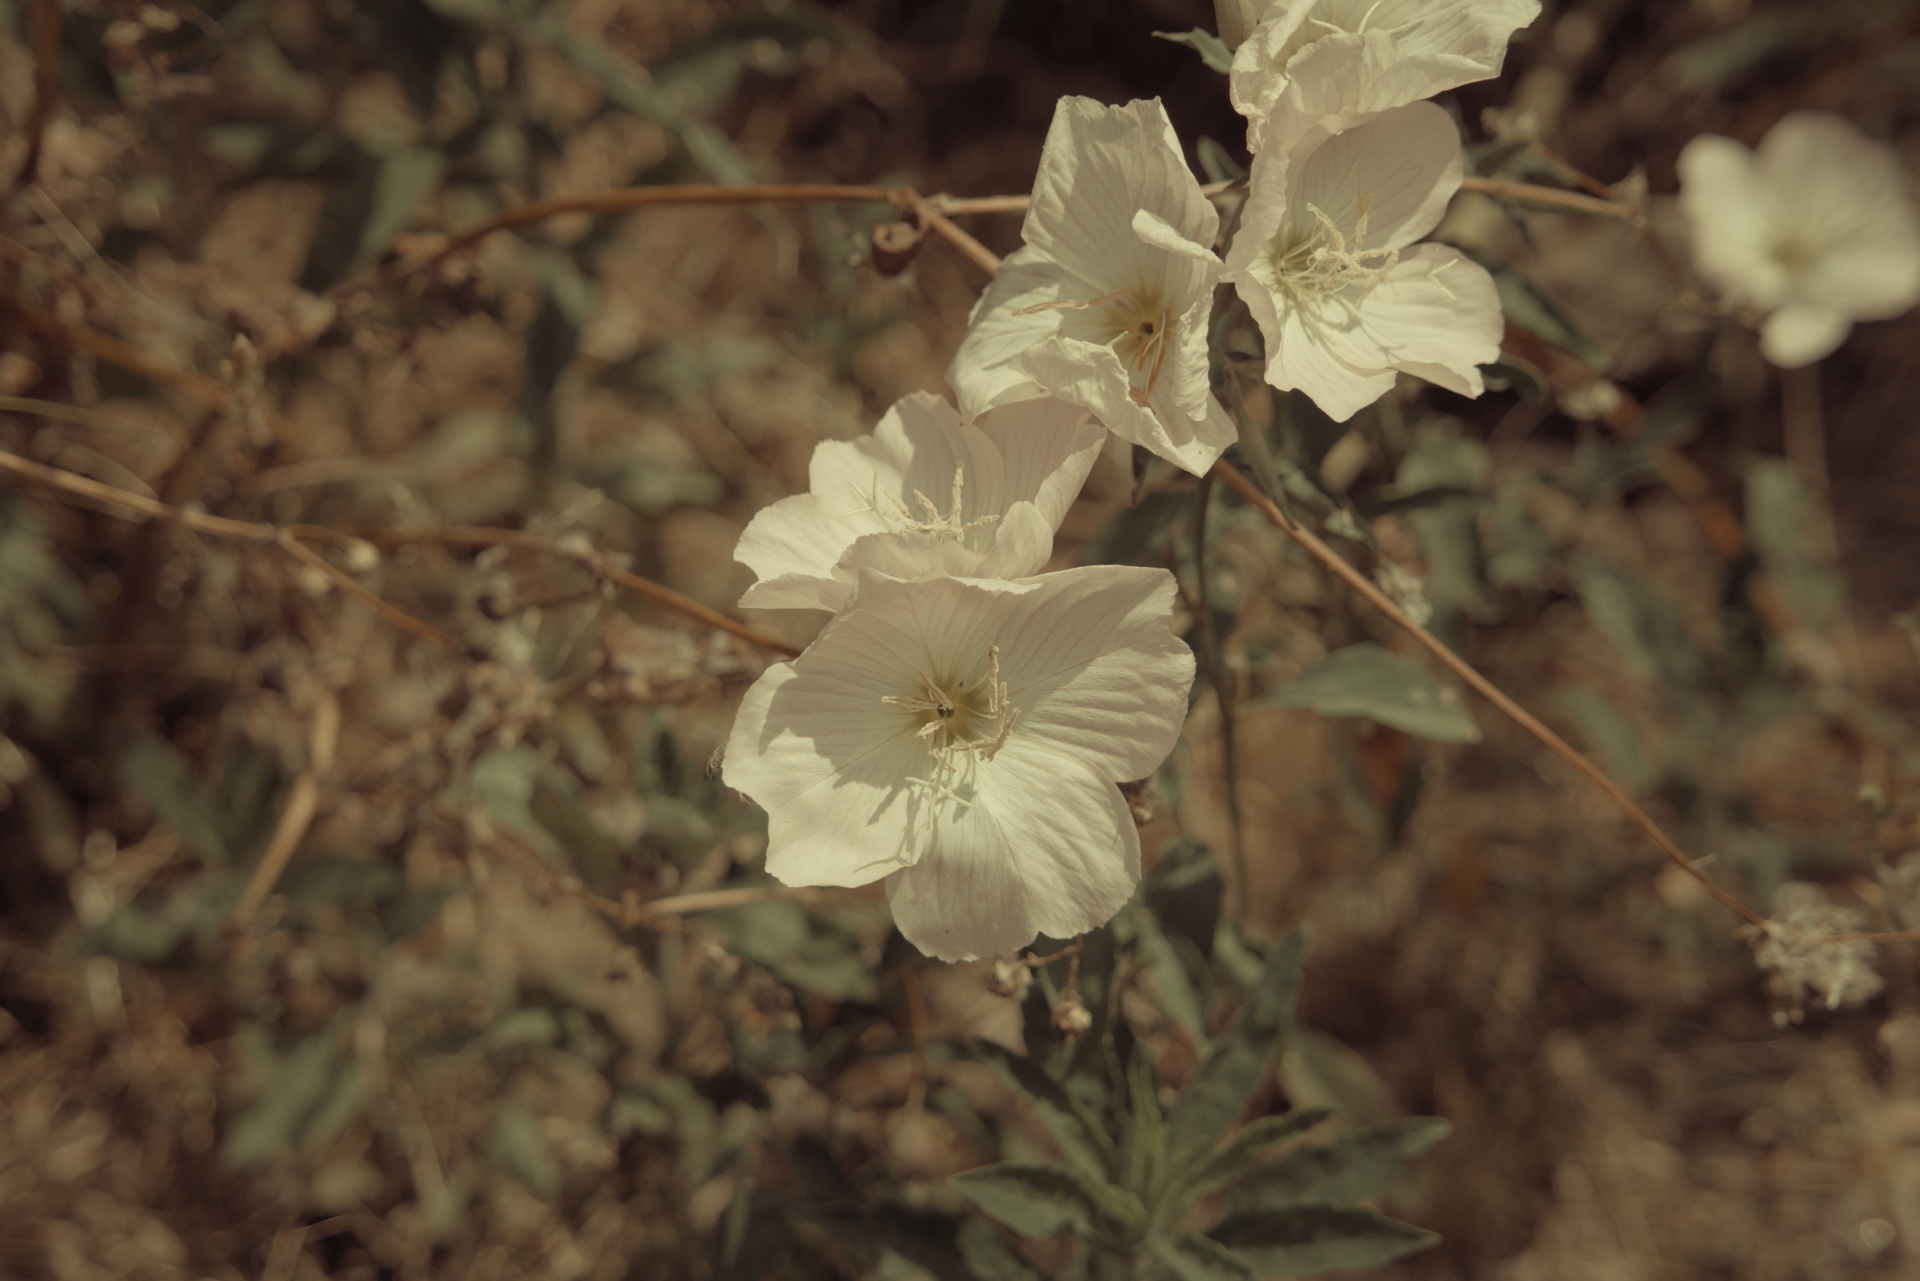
{"x":302,"y":801}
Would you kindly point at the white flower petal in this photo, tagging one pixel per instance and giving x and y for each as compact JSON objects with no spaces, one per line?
{"x":796,"y":539}
{"x":1724,"y":203}
{"x":1799,"y":334}
{"x":1012,"y":315}
{"x":1091,"y":375}
{"x":1437,"y":307}
{"x":1047,"y":447}
{"x":1021,"y":861}
{"x":1012,"y":826}
{"x":1092,"y":665}
{"x":820,"y":756}
{"x":1351,"y":57}
{"x":1021,"y":545}
{"x":1099,"y":166}
{"x":1404,"y":165}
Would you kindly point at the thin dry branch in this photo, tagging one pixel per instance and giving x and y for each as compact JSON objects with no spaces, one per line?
{"x":1338,"y":566}
{"x":1527,"y":193}
{"x":302,"y":802}
{"x":398,"y":617}
{"x":596,"y":563}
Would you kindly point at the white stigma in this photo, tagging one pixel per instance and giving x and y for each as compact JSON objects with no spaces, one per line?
{"x":961,"y":719}
{"x":1321,"y":263}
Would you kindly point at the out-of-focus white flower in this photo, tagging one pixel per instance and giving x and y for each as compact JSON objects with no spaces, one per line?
{"x":1324,"y":262}
{"x":1107,"y":304}
{"x":964,"y":739}
{"x":1816,"y":228}
{"x":1350,"y":58}
{"x":923,"y":494}
{"x":1793,"y":945}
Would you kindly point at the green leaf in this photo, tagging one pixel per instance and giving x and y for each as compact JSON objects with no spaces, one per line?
{"x":989,"y":1256}
{"x":1225,"y":1164}
{"x":780,"y":936}
{"x":1084,"y":1143}
{"x":518,"y":1146}
{"x":1033,"y":1200}
{"x":1351,"y":1168}
{"x":1240,"y":1057}
{"x":1318,"y":1238}
{"x":1167,"y":980}
{"x":1146,"y":1129}
{"x":1531,"y":310}
{"x":404,"y":180}
{"x":1605,"y":728}
{"x":1366,"y":680}
{"x":159,"y":774}
{"x":1192,"y":1257}
{"x":290,"y":1090}
{"x":1212,"y":50}
{"x":1643,"y":625}
{"x":1780,"y":525}
{"x":556,"y":805}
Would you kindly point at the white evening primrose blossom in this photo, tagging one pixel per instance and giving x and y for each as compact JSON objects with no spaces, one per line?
{"x":1326,"y":261}
{"x":1106,"y":306}
{"x":964,"y":739}
{"x":1816,"y":229}
{"x":923,"y":493}
{"x":1351,"y":58}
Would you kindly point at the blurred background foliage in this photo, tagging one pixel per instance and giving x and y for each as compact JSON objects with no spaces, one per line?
{"x":454,"y":1042}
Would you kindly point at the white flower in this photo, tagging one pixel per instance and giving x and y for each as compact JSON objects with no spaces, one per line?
{"x":1350,"y":58}
{"x":923,"y":494}
{"x":963,"y":738}
{"x":1322,"y":259}
{"x":1236,"y":19}
{"x":1816,"y":228}
{"x":1107,"y":304}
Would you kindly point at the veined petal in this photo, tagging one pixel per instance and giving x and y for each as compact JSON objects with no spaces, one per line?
{"x":1402,"y":166}
{"x":835,"y":775}
{"x":1301,"y":357}
{"x":1437,"y":307}
{"x":797,"y":537}
{"x":1026,"y":857}
{"x":1023,"y":544}
{"x":1047,"y":447}
{"x":1092,"y":376}
{"x":1014,"y":313}
{"x":1098,"y":166}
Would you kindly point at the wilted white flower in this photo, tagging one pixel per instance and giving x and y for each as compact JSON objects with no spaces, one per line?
{"x":1816,"y":228}
{"x":1349,"y":58}
{"x":923,"y":493}
{"x":1107,"y":304}
{"x":1326,"y":262}
{"x":964,"y":738}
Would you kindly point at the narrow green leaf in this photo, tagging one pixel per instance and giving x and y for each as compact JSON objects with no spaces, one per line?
{"x":1225,"y":1164}
{"x":1366,"y":680}
{"x":1033,"y":1200}
{"x":404,"y":180}
{"x":159,"y":773}
{"x":290,"y":1089}
{"x":518,"y":1146}
{"x":1213,"y":1099}
{"x":1212,"y":50}
{"x":1349,"y":1169}
{"x":1318,"y":1238}
{"x":1084,"y":1143}
{"x":989,"y":1256}
{"x":1192,"y":1257}
{"x":1146,"y":1130}
{"x":1167,"y":979}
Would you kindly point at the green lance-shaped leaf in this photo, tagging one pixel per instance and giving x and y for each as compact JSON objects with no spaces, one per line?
{"x":1033,"y":1200}
{"x":1192,"y":1257}
{"x":1366,"y":680}
{"x":989,"y":1256}
{"x":1226,"y":1163}
{"x":1318,"y":1238}
{"x":1084,"y":1143}
{"x":1231,"y":1072}
{"x":1351,"y":1168}
{"x":1146,"y":1129}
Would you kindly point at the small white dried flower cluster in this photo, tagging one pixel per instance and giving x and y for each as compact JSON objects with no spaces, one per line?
{"x":1801,"y":950}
